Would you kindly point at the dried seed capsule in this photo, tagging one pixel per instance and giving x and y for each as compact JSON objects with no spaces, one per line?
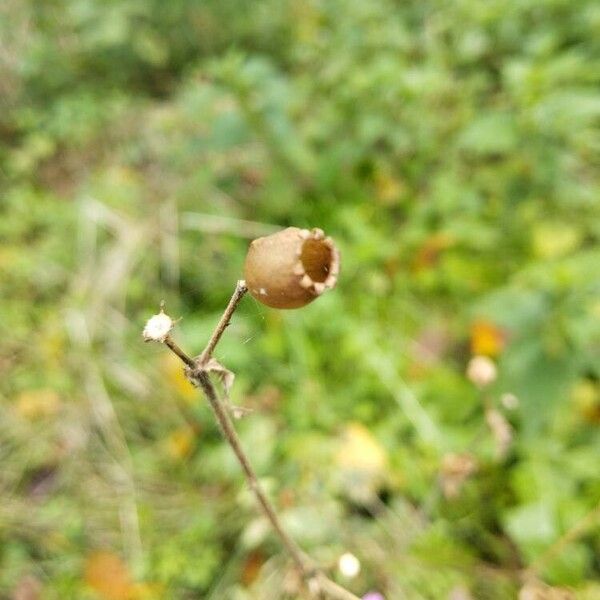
{"x":292,"y":267}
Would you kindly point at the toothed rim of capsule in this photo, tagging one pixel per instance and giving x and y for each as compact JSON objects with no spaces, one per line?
{"x":306,"y":281}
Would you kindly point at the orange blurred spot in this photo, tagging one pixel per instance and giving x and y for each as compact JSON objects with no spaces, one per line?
{"x":252,"y":568}
{"x":109,"y":577}
{"x":287,"y":498}
{"x":487,"y":339}
{"x":430,"y":251}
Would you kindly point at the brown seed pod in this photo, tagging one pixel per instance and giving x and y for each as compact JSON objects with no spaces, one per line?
{"x":292,"y":267}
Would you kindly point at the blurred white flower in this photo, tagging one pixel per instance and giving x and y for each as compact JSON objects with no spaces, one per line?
{"x":482,"y":371}
{"x":509,"y":401}
{"x":349,"y":565}
{"x":158,"y":327}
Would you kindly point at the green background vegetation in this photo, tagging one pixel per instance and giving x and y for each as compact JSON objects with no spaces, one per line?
{"x":451,"y":149}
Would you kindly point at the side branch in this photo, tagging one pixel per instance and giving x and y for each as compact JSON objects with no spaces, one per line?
{"x":189,"y":362}
{"x":238,"y":294}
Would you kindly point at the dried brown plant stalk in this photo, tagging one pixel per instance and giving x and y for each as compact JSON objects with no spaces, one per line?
{"x":198,"y":370}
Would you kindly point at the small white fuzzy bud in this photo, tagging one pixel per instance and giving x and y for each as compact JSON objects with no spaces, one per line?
{"x":482,"y":371}
{"x":349,"y":565}
{"x":158,"y":327}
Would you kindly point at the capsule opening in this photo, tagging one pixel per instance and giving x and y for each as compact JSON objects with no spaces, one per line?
{"x":316,"y":258}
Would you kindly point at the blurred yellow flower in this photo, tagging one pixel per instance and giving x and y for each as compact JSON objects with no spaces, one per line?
{"x":360,"y":451}
{"x":487,"y":338}
{"x":172,"y":370}
{"x":37,"y":404}
{"x":180,"y":443}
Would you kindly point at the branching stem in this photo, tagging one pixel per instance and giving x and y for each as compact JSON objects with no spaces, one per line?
{"x":198,"y":373}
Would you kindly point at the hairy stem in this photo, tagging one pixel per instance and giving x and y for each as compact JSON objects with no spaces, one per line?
{"x":197,"y":370}
{"x":179,"y":352}
{"x":238,"y":294}
{"x":234,"y":441}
